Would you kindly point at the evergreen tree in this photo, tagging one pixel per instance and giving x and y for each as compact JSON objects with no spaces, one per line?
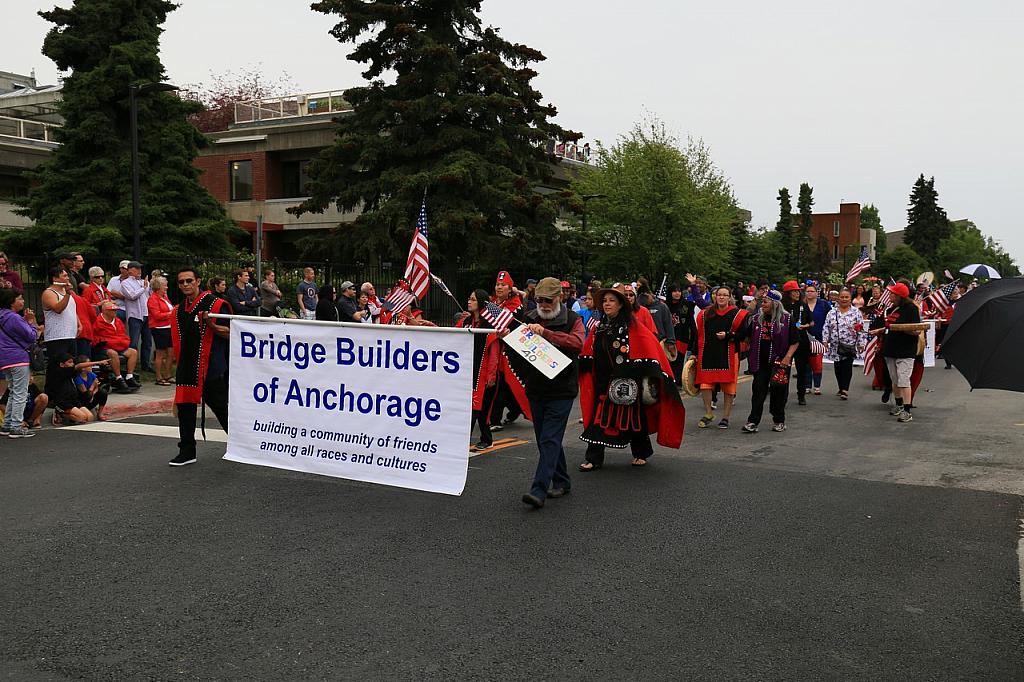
{"x":83,"y":196}
{"x":927,"y":224}
{"x":870,"y":220}
{"x":461,"y":122}
{"x":803,"y":246}
{"x":785,"y":226}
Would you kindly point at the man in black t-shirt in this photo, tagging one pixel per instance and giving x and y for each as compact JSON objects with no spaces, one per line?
{"x":899,"y":348}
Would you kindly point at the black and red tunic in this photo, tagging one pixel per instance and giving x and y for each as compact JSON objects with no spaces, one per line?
{"x":194,"y":340}
{"x":718,"y":360}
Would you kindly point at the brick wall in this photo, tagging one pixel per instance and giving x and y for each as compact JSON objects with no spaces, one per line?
{"x":216,"y":176}
{"x":849,"y":230}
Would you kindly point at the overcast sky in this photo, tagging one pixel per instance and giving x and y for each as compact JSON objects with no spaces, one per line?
{"x":856,"y":100}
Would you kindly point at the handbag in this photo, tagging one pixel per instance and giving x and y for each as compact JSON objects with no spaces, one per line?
{"x":780,"y":377}
{"x":846,"y":350}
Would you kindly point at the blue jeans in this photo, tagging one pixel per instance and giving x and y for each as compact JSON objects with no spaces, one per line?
{"x":135,"y":333}
{"x":17,"y":381}
{"x":147,"y":347}
{"x":549,"y":420}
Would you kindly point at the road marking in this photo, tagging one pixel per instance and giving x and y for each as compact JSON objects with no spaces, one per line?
{"x":501,"y":444}
{"x":212,"y":434}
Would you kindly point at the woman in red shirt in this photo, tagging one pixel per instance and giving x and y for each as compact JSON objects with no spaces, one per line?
{"x":160,"y":311}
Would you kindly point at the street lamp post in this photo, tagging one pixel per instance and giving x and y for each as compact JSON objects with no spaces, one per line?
{"x":583,"y":263}
{"x":133,"y":96}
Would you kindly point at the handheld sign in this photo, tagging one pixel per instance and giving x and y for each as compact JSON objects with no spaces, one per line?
{"x":536,"y":350}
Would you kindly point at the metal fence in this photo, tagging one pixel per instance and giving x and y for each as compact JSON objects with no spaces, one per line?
{"x":437,"y":306}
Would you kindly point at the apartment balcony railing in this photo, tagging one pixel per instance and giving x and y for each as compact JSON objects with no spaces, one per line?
{"x":291,"y":106}
{"x":28,"y":131}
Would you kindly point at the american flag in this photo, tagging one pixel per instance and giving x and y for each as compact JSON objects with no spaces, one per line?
{"x":593,"y":321}
{"x":498,"y":317}
{"x":399,"y":299}
{"x":817,"y":347}
{"x":440,"y":282}
{"x":939,"y":299}
{"x":417,"y":267}
{"x":862,"y":264}
{"x":663,"y":290}
{"x":870,"y":351}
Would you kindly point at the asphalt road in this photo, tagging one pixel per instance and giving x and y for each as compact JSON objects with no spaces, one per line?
{"x":715,"y":562}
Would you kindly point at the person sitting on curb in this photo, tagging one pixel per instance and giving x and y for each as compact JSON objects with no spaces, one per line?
{"x":111,"y":342}
{"x":91,"y":395}
{"x":67,"y":405}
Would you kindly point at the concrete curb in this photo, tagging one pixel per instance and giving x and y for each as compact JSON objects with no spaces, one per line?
{"x":128,"y":410}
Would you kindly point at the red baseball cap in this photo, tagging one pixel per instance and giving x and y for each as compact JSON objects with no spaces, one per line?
{"x":900,"y":289}
{"x":504,"y":278}
{"x":791,"y":285}
{"x":566,"y":285}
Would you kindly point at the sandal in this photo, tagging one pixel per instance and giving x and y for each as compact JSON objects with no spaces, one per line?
{"x":637,"y":462}
{"x":589,"y":466}
{"x":705,"y":421}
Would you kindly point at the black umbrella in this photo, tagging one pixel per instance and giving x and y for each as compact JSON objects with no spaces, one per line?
{"x":985,"y":338}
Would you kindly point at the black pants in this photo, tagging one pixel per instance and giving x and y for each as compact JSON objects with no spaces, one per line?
{"x":97,"y":400}
{"x":215,"y":394}
{"x":505,"y":399}
{"x":482,"y":416}
{"x":639,"y":445}
{"x":762,"y":388}
{"x":802,"y":360}
{"x":53,"y":350}
{"x":844,"y":372}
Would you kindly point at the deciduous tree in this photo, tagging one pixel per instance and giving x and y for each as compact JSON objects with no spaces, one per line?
{"x":668,"y":207}
{"x":870,"y":220}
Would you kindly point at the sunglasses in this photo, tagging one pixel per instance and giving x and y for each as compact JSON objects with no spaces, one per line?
{"x":97,"y":276}
{"x":186,"y":281}
{"x":544,"y":299}
{"x":629,"y":295}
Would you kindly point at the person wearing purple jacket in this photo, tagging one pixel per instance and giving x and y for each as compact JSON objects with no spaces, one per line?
{"x":774,"y":339}
{"x":16,"y":335}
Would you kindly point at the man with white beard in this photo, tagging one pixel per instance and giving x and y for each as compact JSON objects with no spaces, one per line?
{"x":551,"y":400}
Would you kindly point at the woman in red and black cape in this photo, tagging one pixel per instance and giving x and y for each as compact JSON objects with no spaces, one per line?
{"x":487,"y":354}
{"x":622,"y":363}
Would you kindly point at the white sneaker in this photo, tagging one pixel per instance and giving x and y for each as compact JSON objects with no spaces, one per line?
{"x":905,"y":417}
{"x":20,"y":433}
{"x":779,"y":428}
{"x":896,"y":411}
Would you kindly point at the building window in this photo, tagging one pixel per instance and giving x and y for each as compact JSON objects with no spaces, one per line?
{"x":241,"y":180}
{"x":294,"y":179}
{"x":835,"y":252}
{"x":835,"y":228}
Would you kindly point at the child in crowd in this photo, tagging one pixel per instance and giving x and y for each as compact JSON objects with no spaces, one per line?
{"x":90,"y":394}
{"x":66,"y":401}
{"x":34,"y":406}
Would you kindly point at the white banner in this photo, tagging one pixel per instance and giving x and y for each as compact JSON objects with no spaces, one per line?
{"x":376,"y":403}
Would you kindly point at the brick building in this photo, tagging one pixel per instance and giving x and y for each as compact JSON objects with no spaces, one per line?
{"x":842,"y":232}
{"x":258,"y":165}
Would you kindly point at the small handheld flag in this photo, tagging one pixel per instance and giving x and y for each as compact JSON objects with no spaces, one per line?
{"x":498,"y":317}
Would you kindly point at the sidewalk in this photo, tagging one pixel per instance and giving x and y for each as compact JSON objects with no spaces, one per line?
{"x":150,"y":399}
